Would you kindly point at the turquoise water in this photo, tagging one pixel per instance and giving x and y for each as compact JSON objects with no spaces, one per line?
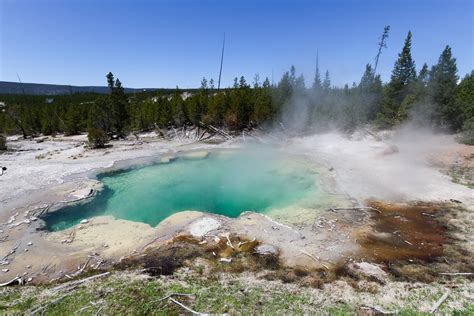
{"x":226,"y":184}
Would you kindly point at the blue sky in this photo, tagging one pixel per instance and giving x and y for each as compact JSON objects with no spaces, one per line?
{"x":169,"y":43}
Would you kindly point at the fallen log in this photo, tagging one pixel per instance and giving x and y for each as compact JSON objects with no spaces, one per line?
{"x":229,"y":243}
{"x":186,"y":308}
{"x":42,"y":307}
{"x":216,"y":130}
{"x":173,"y":294}
{"x":314,"y":258}
{"x":13,"y":281}
{"x":439,"y":302}
{"x":355,"y":209}
{"x":73,"y":284}
{"x":379,"y":310}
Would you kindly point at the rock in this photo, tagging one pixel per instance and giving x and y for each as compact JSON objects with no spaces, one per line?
{"x":164,"y":160}
{"x":196,"y":155}
{"x":5,"y":270}
{"x":167,"y":159}
{"x":368,"y":270}
{"x":265,"y":249}
{"x":202,"y":226}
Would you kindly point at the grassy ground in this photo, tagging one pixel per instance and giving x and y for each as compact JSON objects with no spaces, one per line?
{"x":462,"y":175}
{"x":132,"y":293}
{"x":463,"y":171}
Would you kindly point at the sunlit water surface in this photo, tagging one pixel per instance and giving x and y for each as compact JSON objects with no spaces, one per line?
{"x":222,"y":183}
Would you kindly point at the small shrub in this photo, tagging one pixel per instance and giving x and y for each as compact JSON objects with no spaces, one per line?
{"x":3,"y":143}
{"x":97,"y":138}
{"x":467,"y":136}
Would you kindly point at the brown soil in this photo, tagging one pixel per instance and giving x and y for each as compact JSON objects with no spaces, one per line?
{"x":402,"y":232}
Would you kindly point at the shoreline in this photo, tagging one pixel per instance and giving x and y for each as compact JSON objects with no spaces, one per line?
{"x":76,"y":184}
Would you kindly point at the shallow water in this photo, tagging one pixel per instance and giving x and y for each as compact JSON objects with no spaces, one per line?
{"x":223,"y":183}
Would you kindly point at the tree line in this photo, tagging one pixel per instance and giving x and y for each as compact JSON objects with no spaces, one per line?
{"x":431,"y":96}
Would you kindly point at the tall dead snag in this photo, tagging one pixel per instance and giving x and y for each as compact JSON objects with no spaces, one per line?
{"x":381,"y":44}
{"x":222,"y":60}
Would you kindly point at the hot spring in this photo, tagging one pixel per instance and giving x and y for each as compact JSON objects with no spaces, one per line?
{"x":226,"y":183}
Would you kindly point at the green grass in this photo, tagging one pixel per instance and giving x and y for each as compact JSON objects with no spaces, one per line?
{"x":132,"y":294}
{"x":124,"y":295}
{"x":462,"y":175}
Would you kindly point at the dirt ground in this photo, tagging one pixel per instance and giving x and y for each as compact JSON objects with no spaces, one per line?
{"x":402,"y":217}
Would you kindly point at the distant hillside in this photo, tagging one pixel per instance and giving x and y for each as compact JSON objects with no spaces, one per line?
{"x":7,"y":87}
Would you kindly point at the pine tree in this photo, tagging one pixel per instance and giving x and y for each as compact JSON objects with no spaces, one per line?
{"x":262,"y":109}
{"x":423,"y":76}
{"x":119,"y":102}
{"x":442,"y":84}
{"x":404,"y":70}
{"x":243,"y":83}
{"x":367,"y":78}
{"x":110,"y":81}
{"x":464,"y":101}
{"x":293,"y":76}
{"x":317,"y":85}
{"x":299,"y":84}
{"x":72,"y":121}
{"x":283,"y":92}
{"x":204,"y":86}
{"x":397,"y":95}
{"x":327,"y":81}
{"x":3,"y":142}
{"x":369,"y":94}
{"x":178,"y":109}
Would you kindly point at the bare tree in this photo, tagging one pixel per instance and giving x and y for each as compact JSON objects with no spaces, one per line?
{"x":222,"y":60}
{"x":381,"y":44}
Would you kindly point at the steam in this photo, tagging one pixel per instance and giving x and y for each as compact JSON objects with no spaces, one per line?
{"x":404,"y":166}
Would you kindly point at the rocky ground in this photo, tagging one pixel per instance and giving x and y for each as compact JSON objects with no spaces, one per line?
{"x":374,"y":258}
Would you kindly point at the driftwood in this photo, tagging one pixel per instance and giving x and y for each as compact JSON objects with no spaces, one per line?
{"x":173,"y":294}
{"x":207,"y":137}
{"x":42,"y":307}
{"x":229,"y":243}
{"x":176,"y":134}
{"x":170,"y":297}
{"x":439,"y":302}
{"x":379,"y":310}
{"x":185,"y":307}
{"x":355,"y":209}
{"x":12,"y":251}
{"x":99,"y":310}
{"x":17,"y":279}
{"x":314,"y":258}
{"x":216,"y":130}
{"x":457,"y":273}
{"x":72,"y":284}
{"x":48,"y":268}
